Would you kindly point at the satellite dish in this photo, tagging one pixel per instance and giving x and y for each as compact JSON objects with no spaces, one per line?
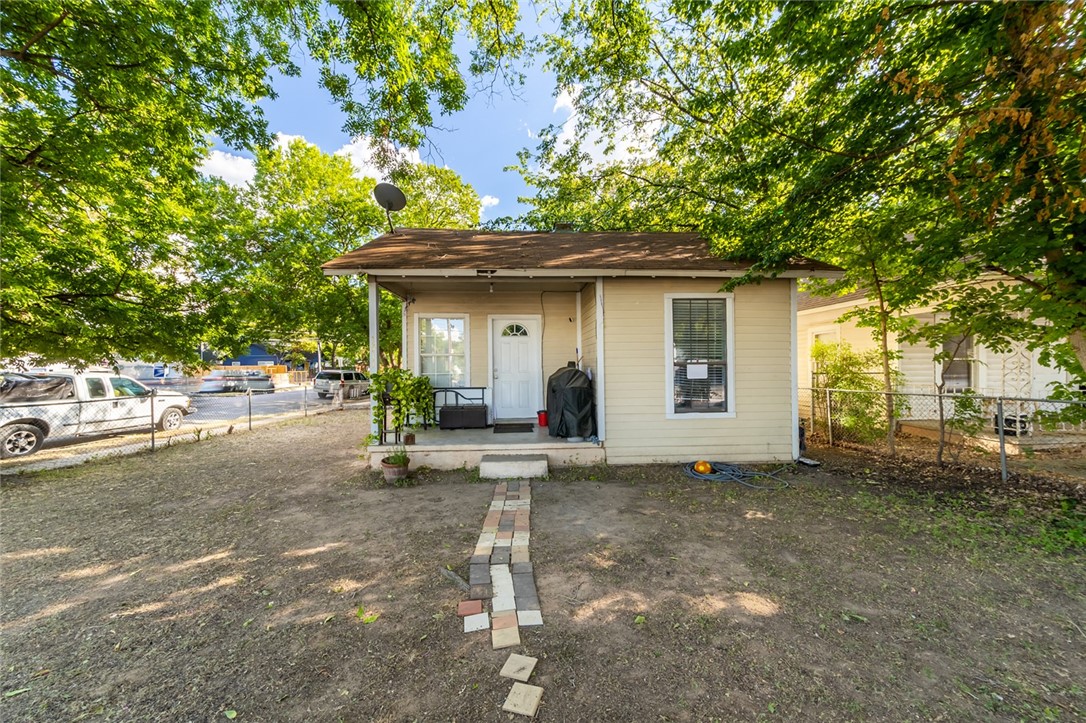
{"x":391,"y":199}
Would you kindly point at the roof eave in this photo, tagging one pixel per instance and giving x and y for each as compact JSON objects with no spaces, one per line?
{"x":798,"y":273}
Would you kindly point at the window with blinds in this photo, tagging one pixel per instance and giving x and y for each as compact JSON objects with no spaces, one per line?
{"x":443,"y":350}
{"x":699,"y":338}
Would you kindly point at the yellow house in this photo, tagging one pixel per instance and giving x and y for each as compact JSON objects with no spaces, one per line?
{"x":679,"y":369}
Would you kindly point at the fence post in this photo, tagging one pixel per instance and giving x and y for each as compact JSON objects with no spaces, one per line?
{"x":1002,"y":440}
{"x":305,"y":401}
{"x":154,"y":393}
{"x":829,"y":416}
{"x":249,"y":398}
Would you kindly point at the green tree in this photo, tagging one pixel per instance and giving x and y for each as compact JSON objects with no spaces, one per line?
{"x":260,"y":253}
{"x":436,"y":198}
{"x":784,"y":123}
{"x":110,"y":107}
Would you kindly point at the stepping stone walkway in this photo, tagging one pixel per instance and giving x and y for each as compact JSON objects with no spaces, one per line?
{"x":501,"y":571}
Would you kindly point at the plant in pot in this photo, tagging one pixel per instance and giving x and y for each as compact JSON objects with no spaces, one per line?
{"x":407,"y":400}
{"x":395,"y":466}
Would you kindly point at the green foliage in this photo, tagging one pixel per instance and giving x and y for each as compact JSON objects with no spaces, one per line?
{"x":839,"y":366}
{"x":858,"y":414}
{"x":109,"y":110}
{"x":949,"y":134}
{"x":969,"y":416}
{"x":437,"y":198}
{"x":411,"y":398}
{"x":261,"y":248}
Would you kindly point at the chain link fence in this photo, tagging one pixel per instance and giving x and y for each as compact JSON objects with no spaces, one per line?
{"x":72,"y":431}
{"x":1009,"y":431}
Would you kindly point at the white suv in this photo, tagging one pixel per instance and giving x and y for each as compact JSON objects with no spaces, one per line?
{"x":355,"y":384}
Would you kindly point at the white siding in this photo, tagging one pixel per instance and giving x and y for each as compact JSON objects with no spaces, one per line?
{"x":816,"y":322}
{"x":637,"y":429}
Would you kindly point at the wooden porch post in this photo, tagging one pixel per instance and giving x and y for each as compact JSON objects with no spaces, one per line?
{"x":375,"y":345}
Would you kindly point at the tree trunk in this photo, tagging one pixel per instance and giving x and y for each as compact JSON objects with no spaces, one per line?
{"x":1078,"y":343}
{"x":942,"y":426}
{"x":884,"y":342}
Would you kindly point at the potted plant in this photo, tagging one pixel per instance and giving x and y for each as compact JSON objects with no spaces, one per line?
{"x":395,"y":465}
{"x":408,"y":435}
{"x":407,"y":399}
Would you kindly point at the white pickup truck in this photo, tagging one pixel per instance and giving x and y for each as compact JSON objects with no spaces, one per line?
{"x":64,"y":404}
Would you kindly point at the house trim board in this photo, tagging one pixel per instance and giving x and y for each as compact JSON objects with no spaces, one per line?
{"x":580,"y":337}
{"x":729,"y":342}
{"x":572,"y":273}
{"x":600,"y":378}
{"x":793,"y":297}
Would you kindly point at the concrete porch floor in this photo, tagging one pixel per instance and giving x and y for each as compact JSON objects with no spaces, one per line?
{"x":456,"y":448}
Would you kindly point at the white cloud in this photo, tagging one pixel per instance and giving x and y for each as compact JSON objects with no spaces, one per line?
{"x":235,"y":170}
{"x":567,"y":100}
{"x":283,"y":140}
{"x":361,"y":152}
{"x":486,"y":202}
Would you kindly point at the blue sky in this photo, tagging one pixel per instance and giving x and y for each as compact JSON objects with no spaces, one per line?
{"x":478,"y":142}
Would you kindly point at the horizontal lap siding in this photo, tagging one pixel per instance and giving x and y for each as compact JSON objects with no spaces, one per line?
{"x":558,"y":310}
{"x":818,"y":321}
{"x":637,"y":427}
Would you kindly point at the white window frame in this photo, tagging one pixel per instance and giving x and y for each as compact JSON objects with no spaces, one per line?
{"x":669,"y":358}
{"x":417,"y":341}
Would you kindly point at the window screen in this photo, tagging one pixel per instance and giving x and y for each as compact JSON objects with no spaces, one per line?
{"x":443,"y":351}
{"x":699,"y":344}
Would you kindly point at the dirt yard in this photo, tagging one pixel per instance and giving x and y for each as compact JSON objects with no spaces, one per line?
{"x":225,"y":579}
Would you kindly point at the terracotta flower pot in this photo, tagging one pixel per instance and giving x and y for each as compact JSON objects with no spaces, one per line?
{"x":408,"y":437}
{"x":394,"y":472}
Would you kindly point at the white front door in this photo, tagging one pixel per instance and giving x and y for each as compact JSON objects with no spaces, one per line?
{"x":516,"y":367}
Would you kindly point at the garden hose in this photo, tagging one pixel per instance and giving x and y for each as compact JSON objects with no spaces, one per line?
{"x":727,"y":472}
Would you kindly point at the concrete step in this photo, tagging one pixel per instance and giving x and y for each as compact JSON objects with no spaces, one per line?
{"x":513,"y":466}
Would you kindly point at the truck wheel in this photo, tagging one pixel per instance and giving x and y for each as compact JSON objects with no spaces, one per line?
{"x":321,"y":395}
{"x":171,"y":419}
{"x":19,"y":440}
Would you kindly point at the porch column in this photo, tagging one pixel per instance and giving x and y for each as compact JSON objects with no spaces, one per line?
{"x":793,"y":300}
{"x":601,"y":408}
{"x":375,"y":348}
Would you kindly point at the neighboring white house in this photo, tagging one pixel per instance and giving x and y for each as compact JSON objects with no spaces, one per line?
{"x":1017,"y":373}
{"x":680,"y":370}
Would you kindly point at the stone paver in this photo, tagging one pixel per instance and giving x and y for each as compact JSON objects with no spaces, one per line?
{"x":476,"y":622}
{"x":529,"y":618}
{"x":523,"y":699}
{"x":504,"y":638}
{"x":469,"y":607}
{"x":505,"y":619}
{"x":501,"y":571}
{"x":518,"y":667}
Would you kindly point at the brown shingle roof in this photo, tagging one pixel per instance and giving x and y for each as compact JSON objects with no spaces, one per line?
{"x":440,"y":249}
